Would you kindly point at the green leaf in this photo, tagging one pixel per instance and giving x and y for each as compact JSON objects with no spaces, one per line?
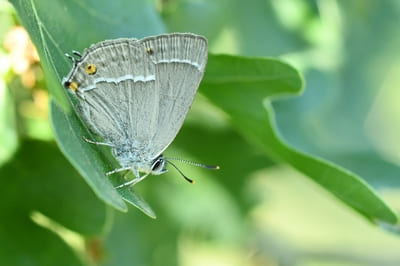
{"x":329,"y":120}
{"x":136,"y":200}
{"x":237,"y":85}
{"x":29,"y":244}
{"x":40,"y":179}
{"x":52,"y":42}
{"x":69,"y":132}
{"x":244,"y":98}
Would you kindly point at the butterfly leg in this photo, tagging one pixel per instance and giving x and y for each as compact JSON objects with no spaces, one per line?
{"x":118,"y":170}
{"x":133,"y":181}
{"x":97,"y":143}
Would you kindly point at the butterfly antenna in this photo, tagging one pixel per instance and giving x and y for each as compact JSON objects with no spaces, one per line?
{"x":73,"y":59}
{"x":78,"y":54}
{"x":182,"y":174}
{"x":212,"y":167}
{"x":70,"y":57}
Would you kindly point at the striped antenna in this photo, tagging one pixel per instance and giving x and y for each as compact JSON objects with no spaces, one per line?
{"x":212,"y":167}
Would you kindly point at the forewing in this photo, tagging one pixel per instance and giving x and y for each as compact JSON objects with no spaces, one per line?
{"x":118,"y":102}
{"x":180,"y":60}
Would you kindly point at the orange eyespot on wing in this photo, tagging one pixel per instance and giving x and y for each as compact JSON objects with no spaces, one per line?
{"x":149,"y":50}
{"x":91,"y":69}
{"x":73,"y":86}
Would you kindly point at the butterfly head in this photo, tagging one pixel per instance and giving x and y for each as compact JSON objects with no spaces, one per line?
{"x":158,"y":165}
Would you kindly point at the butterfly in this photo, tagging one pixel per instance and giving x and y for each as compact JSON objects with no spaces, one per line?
{"x":135,"y":94}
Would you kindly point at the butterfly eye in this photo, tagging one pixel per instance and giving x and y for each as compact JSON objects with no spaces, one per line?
{"x":91,"y":69}
{"x":158,"y":165}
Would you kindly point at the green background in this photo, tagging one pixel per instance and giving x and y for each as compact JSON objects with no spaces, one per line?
{"x":298,"y":106}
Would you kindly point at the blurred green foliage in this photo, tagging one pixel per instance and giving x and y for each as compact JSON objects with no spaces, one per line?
{"x":251,"y":212}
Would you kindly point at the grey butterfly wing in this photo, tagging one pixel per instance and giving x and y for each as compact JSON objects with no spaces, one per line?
{"x":117,"y":97}
{"x":142,"y":90}
{"x":180,"y":61}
